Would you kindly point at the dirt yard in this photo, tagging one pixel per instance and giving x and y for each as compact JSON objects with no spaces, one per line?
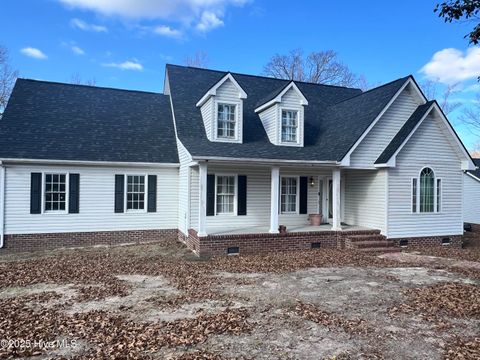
{"x":159,"y":301}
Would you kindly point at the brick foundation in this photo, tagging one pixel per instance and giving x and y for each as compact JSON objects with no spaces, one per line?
{"x":214,"y":245}
{"x":37,"y":242}
{"x":428,"y":241}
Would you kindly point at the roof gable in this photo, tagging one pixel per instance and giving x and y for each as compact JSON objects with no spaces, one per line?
{"x":276,"y":97}
{"x":388,"y":157}
{"x":213,"y":90}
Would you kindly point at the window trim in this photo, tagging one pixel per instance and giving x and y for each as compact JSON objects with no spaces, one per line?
{"x":297,"y":196}
{"x":44,"y":190}
{"x":297,"y":133}
{"x":437,"y":208}
{"x":235,"y":196}
{"x":237,"y":105}
{"x":145,"y":194}
{"x":300,"y":130}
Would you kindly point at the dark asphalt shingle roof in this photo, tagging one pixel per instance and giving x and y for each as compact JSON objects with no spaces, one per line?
{"x":45,"y":120}
{"x":404,"y":132}
{"x":476,"y":173}
{"x":334,"y":119}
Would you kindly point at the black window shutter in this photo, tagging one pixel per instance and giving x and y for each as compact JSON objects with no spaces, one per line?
{"x":35,"y":193}
{"x":152,"y":193}
{"x":242,"y":195}
{"x":119,"y":193}
{"x":210,"y":195}
{"x":303,"y":194}
{"x":74,"y":194}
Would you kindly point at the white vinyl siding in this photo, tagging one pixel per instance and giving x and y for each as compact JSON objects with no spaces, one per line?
{"x":428,"y":147}
{"x":183,"y":188}
{"x":471,"y":199}
{"x":97,"y":195}
{"x":208,"y":115}
{"x":269,"y":118}
{"x":384,"y":130}
{"x":365,"y":202}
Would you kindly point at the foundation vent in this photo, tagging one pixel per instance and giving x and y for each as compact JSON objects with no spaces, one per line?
{"x":234,"y":250}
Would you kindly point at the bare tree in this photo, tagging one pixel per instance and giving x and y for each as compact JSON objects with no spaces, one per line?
{"x":76,"y":79}
{"x":199,"y":60}
{"x":322,"y":67}
{"x":471,"y":116}
{"x":7,"y":78}
{"x":431,"y":91}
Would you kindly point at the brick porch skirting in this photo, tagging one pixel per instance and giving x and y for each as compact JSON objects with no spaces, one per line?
{"x":214,"y":245}
{"x":428,"y":241}
{"x":48,"y":241}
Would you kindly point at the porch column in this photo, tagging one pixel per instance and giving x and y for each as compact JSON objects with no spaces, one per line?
{"x":274,"y":190}
{"x":336,"y":223}
{"x":202,"y":201}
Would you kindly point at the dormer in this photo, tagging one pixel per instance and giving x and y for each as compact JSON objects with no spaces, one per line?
{"x":282,"y":115}
{"x":222,"y":110}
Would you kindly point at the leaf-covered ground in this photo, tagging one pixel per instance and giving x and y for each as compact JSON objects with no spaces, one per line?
{"x":159,"y":301}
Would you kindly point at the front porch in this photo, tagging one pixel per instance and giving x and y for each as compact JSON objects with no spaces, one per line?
{"x":240,"y":208}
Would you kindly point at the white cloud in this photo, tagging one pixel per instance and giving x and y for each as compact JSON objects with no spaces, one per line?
{"x":450,"y":65}
{"x":77,"y":50}
{"x":208,"y":21}
{"x":126,"y":65}
{"x":82,"y":25}
{"x":168,"y":31}
{"x":204,"y":14}
{"x":34,"y":53}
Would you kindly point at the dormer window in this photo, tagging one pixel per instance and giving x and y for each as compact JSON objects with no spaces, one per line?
{"x":289,"y":126}
{"x":282,"y":115}
{"x":222,"y":110}
{"x":226,"y":121}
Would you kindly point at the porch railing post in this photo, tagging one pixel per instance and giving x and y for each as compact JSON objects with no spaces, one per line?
{"x":336,"y":201}
{"x":275,"y":189}
{"x":202,"y":203}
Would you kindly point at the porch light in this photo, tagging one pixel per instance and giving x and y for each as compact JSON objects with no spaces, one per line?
{"x":311,"y":181}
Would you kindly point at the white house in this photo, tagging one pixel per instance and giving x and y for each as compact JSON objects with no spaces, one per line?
{"x":223,"y":161}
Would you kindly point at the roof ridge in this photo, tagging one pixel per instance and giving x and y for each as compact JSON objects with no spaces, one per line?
{"x":263,"y":77}
{"x":375,"y":88}
{"x":88,"y":86}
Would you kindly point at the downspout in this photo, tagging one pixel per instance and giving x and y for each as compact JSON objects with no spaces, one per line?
{"x":2,"y":203}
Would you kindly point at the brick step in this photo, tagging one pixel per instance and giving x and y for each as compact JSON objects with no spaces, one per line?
{"x":374,"y":237}
{"x":373,"y":244}
{"x":380,"y":250}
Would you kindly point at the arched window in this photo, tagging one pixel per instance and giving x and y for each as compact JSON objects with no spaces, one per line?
{"x":426,"y":192}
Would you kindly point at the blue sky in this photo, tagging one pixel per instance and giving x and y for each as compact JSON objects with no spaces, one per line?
{"x":126,"y":43}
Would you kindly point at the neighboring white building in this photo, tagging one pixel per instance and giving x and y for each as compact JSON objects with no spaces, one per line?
{"x":471,"y":195}
{"x":221,"y":160}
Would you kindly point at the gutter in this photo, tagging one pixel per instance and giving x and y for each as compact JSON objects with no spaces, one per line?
{"x":88,"y":163}
{"x":266,"y":161}
{"x":3,"y":171}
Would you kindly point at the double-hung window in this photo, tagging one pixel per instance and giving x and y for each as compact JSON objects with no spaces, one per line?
{"x":225,"y":197}
{"x":288,"y":195}
{"x":55,"y":192}
{"x":226,"y":121}
{"x":426,"y":192}
{"x":289,"y":126}
{"x":135,"y":192}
